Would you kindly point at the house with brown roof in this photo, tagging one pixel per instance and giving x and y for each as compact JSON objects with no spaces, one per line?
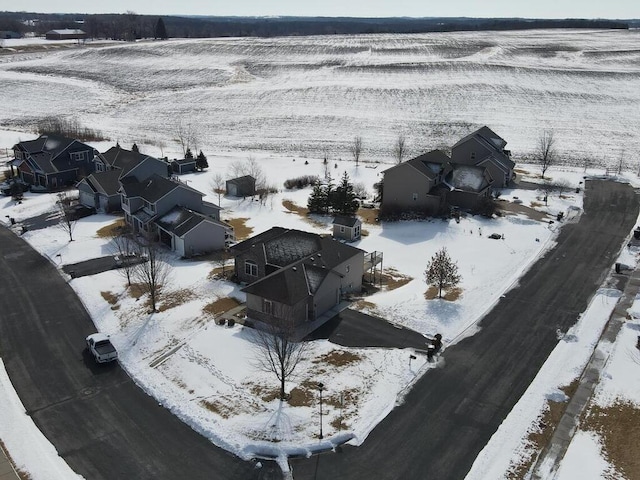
{"x":296,"y":276}
{"x":52,"y":162}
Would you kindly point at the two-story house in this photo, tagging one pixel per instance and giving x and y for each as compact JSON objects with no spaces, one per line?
{"x":175,"y":212}
{"x":485,"y":148}
{"x":51,"y":162}
{"x":295,"y":276}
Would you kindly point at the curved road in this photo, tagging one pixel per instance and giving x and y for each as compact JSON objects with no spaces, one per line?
{"x":100,"y":422}
{"x":104,"y":426}
{"x":452,"y":412}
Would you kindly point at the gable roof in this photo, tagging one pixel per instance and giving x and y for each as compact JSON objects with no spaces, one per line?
{"x":152,"y":189}
{"x":246,"y":181}
{"x":44,"y":154}
{"x":346,"y":221}
{"x":489,"y":136}
{"x":469,"y":178}
{"x":429,"y":164}
{"x":105,"y":182}
{"x":180,"y":221}
{"x":493,"y":142}
{"x":124,"y":160}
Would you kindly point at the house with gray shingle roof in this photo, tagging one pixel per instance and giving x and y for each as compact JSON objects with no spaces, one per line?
{"x":52,"y":162}
{"x":485,"y":148}
{"x":297,"y":276}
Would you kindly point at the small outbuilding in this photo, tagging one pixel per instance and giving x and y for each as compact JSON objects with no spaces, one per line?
{"x":181,"y":166}
{"x":66,"y":34}
{"x":242,"y":186}
{"x":347,"y":228}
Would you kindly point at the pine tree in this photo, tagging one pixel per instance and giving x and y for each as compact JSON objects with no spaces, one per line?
{"x":161,"y":30}
{"x":134,"y":148}
{"x":201,"y":161}
{"x":442,"y":272}
{"x":188,"y":154}
{"x":344,"y":201}
{"x":317,"y":200}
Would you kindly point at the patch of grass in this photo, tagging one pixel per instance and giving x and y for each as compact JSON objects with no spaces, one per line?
{"x":394,"y":279}
{"x":110,"y":297}
{"x":369,"y":215}
{"x":431,"y":293}
{"x":338,"y":358}
{"x":365,"y":305}
{"x":112,"y":230}
{"x":301,"y":396}
{"x":536,"y":204}
{"x":137,"y":290}
{"x":175,"y":299}
{"x":219,"y":273}
{"x":217,"y":407}
{"x":220,"y":305}
{"x":540,"y":437}
{"x":618,"y":426}
{"x":349,"y":396}
{"x":240,"y":229}
{"x":452,"y":294}
{"x":265,"y":393}
{"x":293,"y":208}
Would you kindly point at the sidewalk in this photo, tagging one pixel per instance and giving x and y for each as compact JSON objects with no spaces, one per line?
{"x":6,"y":469}
{"x":547,"y":464}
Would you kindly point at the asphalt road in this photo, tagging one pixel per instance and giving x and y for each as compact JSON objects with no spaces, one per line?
{"x":452,"y":412}
{"x":100,"y":422}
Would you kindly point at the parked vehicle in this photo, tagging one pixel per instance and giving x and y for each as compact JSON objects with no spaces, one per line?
{"x":101,"y":348}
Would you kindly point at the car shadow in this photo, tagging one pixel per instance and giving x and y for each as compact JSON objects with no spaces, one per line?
{"x":95,"y":367}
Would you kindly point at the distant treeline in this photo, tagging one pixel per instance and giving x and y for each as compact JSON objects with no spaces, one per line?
{"x":131,"y":26}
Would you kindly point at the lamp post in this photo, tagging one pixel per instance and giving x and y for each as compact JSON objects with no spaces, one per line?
{"x":320,"y":388}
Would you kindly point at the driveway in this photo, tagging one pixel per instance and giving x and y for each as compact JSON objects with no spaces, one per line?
{"x":98,"y":419}
{"x":452,"y":412}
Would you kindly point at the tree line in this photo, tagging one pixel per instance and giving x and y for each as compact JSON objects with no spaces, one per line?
{"x":131,"y":26}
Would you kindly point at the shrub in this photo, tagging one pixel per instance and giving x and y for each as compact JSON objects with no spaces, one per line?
{"x":70,"y":128}
{"x":231,"y":322}
{"x":301,"y":182}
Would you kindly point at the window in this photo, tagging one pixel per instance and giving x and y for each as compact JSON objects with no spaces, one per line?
{"x":77,"y":156}
{"x":267,"y":307}
{"x":251,"y":268}
{"x":415,"y":197}
{"x":341,"y":229}
{"x":357,"y":231}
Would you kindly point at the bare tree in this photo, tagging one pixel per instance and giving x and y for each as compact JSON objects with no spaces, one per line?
{"x":442,"y":272}
{"x":356,"y":149}
{"x":562,"y":186}
{"x":399,"y":149}
{"x":276,"y":352}
{"x":154,"y":273}
{"x":124,"y":246}
{"x":546,"y":187}
{"x":545,"y":152}
{"x":251,"y":167}
{"x":68,"y":219}
{"x":217,"y":185}
{"x":186,"y":136}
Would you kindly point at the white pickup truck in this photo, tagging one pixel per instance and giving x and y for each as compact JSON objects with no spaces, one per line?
{"x":101,"y":348}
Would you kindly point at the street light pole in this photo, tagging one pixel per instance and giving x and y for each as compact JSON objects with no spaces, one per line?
{"x":320,"y":388}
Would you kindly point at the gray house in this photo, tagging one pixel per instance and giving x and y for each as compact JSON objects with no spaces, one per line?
{"x":175,"y":212}
{"x":347,"y":228}
{"x":52,"y":162}
{"x":101,"y":190}
{"x":485,"y":148}
{"x":298,"y":277}
{"x":241,"y":186}
{"x":432,"y":183}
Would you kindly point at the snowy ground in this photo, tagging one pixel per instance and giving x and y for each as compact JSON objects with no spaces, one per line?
{"x":290,"y":100}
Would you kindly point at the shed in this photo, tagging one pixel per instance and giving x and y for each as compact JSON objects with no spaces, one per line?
{"x":241,"y":186}
{"x":183,"y":165}
{"x":66,"y":34}
{"x":347,"y":228}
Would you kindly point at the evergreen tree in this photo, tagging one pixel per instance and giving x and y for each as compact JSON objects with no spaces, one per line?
{"x":161,"y":30}
{"x":134,"y":148}
{"x":317,"y":200}
{"x":344,"y":201}
{"x":442,"y":272}
{"x":201,"y":161}
{"x":188,"y":154}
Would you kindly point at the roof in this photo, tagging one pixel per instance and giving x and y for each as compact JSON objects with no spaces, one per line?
{"x":491,"y":141}
{"x":183,"y":161}
{"x":247,"y":181}
{"x":44,"y":153}
{"x":152,"y":189}
{"x":180,"y":221}
{"x":105,"y":182}
{"x":282,"y":247}
{"x":52,"y":144}
{"x":124,"y":160}
{"x":290,"y":285}
{"x":429,"y":164}
{"x":346,"y":221}
{"x":469,"y":178}
{"x":67,"y":31}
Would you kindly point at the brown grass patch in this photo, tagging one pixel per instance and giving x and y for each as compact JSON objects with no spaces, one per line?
{"x":221,"y":305}
{"x":509,"y":208}
{"x":22,"y":474}
{"x":364,"y":233}
{"x":302,"y":396}
{"x":539,"y":438}
{"x":137,"y":290}
{"x":110,"y":297}
{"x":293,"y":208}
{"x":365,"y":305}
{"x":618,"y":426}
{"x":265,"y":393}
{"x":452,"y":294}
{"x":535,"y":204}
{"x":349,"y":396}
{"x":225,"y":410}
{"x":431,"y":293}
{"x":240,"y":229}
{"x":338,"y":358}
{"x":394,"y":279}
{"x":175,"y":299}
{"x":112,"y":230}
{"x":369,"y":215}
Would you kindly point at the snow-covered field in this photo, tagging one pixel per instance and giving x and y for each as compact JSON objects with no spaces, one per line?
{"x":290,"y":100}
{"x":302,"y":96}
